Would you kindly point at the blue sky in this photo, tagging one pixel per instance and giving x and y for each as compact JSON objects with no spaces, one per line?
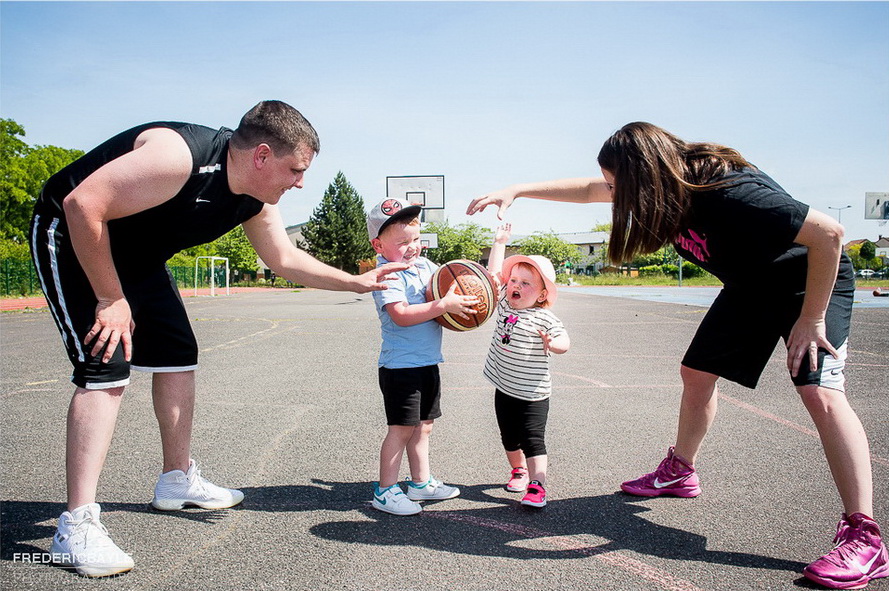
{"x":485,"y":93}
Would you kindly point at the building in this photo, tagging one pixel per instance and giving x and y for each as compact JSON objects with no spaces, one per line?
{"x":589,"y":244}
{"x":882,"y":244}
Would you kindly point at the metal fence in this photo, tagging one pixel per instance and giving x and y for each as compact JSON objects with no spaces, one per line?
{"x":18,"y":278}
{"x":184,"y":276}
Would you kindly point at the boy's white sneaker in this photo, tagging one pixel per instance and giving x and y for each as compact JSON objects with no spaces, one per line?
{"x":82,"y":541}
{"x":393,"y":500}
{"x":176,"y":489}
{"x":431,"y":490}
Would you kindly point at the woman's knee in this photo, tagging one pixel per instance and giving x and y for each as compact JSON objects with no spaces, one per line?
{"x":697,"y":384}
{"x":820,"y":401}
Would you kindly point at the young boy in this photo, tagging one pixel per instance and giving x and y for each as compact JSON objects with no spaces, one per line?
{"x":408,"y":364}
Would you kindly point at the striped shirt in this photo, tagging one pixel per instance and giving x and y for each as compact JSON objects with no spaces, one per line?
{"x":517,"y":364}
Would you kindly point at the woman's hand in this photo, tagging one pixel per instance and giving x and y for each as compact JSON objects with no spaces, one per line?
{"x":806,"y":337}
{"x":502,"y":199}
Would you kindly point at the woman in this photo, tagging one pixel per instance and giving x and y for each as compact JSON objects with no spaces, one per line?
{"x":721,"y":213}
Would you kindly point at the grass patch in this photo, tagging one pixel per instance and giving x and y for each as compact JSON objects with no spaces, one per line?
{"x":656,"y":280}
{"x":667,"y":281}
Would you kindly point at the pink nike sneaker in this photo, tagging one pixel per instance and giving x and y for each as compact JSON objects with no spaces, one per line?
{"x":674,"y":476}
{"x":858,"y":557}
{"x":518,"y":480}
{"x":535,"y":496}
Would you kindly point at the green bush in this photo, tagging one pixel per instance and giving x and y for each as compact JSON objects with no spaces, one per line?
{"x":689,"y":270}
{"x":15,"y":251}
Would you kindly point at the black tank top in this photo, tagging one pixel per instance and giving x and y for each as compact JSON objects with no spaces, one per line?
{"x":202,"y":211}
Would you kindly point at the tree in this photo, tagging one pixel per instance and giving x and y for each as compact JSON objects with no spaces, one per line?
{"x":186,"y":257}
{"x":549,"y":244}
{"x":13,"y":194}
{"x":868,"y":252}
{"x":237,"y":249}
{"x":665,"y":255}
{"x":466,"y":241}
{"x":23,"y":171}
{"x":854,"y":253}
{"x":337,"y":231}
{"x":602,"y":227}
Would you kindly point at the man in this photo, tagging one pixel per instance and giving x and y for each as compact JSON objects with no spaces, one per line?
{"x":102,"y":230}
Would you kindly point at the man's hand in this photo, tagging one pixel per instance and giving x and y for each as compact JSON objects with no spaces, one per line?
{"x":114,"y":325}
{"x":374,"y":280}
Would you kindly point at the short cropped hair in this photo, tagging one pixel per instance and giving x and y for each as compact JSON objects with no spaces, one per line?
{"x":277,"y":124}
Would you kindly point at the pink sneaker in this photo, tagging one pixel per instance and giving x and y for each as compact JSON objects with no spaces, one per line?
{"x":536,"y":495}
{"x":858,"y":557}
{"x":518,"y":480}
{"x":674,"y":476}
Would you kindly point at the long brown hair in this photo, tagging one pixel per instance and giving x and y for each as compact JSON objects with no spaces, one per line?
{"x":654,"y":174}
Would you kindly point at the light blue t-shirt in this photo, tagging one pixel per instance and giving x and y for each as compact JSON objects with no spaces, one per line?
{"x":408,"y":346}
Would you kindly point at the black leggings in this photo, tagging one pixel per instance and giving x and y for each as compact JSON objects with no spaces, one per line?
{"x":522,"y":423}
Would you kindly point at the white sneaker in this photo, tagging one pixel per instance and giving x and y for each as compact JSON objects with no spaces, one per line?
{"x":176,"y":489}
{"x":82,"y":541}
{"x":432,"y":490}
{"x":392,"y":500}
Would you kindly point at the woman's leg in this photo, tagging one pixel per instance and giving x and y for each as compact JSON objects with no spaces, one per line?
{"x":696,"y":411}
{"x":845,"y":446}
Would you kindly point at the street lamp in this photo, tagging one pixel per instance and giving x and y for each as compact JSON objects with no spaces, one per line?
{"x":839,"y":211}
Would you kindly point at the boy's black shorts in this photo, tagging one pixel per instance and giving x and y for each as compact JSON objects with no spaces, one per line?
{"x":411,"y":394}
{"x":739,"y":333}
{"x":163,"y":340}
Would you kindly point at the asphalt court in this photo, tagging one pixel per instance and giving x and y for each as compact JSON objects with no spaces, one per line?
{"x":290,"y":412}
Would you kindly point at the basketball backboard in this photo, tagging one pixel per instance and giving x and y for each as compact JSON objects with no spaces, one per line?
{"x":427,"y":191}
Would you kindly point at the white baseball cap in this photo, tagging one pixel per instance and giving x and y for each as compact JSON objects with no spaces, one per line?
{"x":387,"y":211}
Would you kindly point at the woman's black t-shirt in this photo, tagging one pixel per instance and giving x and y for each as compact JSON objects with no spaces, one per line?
{"x":743,"y":232}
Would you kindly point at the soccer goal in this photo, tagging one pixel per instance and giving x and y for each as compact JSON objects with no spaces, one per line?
{"x":212,"y":261}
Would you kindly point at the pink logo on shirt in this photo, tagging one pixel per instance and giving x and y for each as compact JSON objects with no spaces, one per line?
{"x":696,"y":245}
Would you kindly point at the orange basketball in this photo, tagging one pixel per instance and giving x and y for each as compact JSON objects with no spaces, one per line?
{"x":473,"y":280}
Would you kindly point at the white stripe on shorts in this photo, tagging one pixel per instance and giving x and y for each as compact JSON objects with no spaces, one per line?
{"x":164,"y":369}
{"x":106,"y":385}
{"x":63,"y":319}
{"x":832,"y":374}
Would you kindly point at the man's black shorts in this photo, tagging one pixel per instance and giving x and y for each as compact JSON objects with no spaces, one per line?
{"x":163,"y":340}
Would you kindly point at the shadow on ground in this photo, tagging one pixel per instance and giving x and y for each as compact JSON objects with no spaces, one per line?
{"x":564,"y":529}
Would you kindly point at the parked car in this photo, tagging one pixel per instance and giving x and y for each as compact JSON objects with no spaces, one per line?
{"x":866,"y":273}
